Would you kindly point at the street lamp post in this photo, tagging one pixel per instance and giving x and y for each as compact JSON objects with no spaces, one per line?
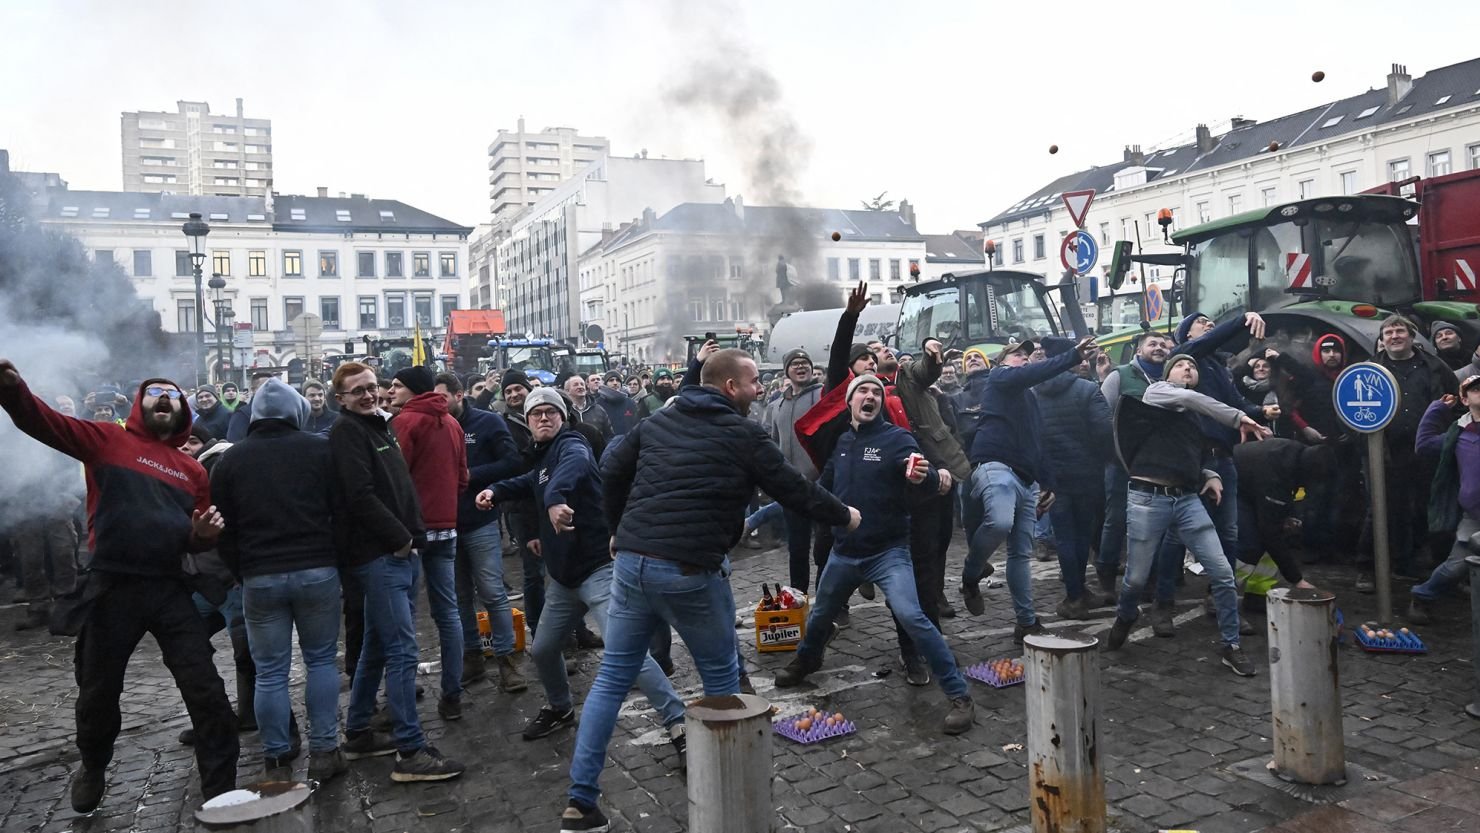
{"x":196,"y":230}
{"x":223,"y":315}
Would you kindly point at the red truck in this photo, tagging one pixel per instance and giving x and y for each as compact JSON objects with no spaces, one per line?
{"x":1447,"y":235}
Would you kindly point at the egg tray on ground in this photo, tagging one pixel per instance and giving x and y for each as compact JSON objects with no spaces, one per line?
{"x":819,"y":731}
{"x":1398,"y":643}
{"x":983,"y":671}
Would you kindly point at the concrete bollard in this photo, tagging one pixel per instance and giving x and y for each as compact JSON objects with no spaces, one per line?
{"x":1473,"y":710}
{"x":1066,"y":787}
{"x":1305,"y":688}
{"x":730,"y":770}
{"x":266,"y":807}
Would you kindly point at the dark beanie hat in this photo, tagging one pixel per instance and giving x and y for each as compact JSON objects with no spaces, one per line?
{"x":515,"y":377}
{"x":202,"y":433}
{"x":418,"y":379}
{"x":857,"y":352}
{"x":563,"y":377}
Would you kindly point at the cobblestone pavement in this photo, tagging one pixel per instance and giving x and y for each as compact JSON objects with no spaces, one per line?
{"x":1185,"y":740}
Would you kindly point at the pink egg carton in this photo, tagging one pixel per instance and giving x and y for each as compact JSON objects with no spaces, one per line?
{"x":984,"y":672}
{"x":788,"y":727}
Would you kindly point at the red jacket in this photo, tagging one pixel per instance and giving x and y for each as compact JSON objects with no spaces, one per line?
{"x":437,"y":454}
{"x":141,"y":490}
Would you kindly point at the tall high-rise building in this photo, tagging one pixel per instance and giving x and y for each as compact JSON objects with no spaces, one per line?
{"x":193,"y":151}
{"x":524,"y":167}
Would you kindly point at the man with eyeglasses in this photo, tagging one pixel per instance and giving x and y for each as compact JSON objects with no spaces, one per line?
{"x":148,"y":505}
{"x":376,"y":531}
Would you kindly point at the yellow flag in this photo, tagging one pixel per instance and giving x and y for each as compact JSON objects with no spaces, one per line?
{"x":418,"y":350}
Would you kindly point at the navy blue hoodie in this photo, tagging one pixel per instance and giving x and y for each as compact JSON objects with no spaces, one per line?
{"x":492,"y":456}
{"x":866,"y":472}
{"x":564,"y":472}
{"x":1213,"y":376}
{"x":1008,"y":431}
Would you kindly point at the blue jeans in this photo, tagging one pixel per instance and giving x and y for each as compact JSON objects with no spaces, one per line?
{"x":1170,"y":557}
{"x":1448,"y":575}
{"x":564,"y":607}
{"x":648,"y":593}
{"x":1074,"y":515}
{"x":437,"y":564}
{"x":480,"y":574}
{"x":1112,"y":539}
{"x":389,"y":649}
{"x":1009,"y":510}
{"x":1225,"y":513}
{"x":534,"y":587}
{"x":1148,"y":519}
{"x":276,"y":605}
{"x":894,"y":574}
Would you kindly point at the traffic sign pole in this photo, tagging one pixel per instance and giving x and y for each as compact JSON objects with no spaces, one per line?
{"x":1366,"y":398}
{"x":1381,"y":553}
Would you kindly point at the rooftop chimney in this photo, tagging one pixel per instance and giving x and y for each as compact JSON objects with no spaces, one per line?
{"x":238,"y":108}
{"x":1241,"y":122}
{"x":1205,"y":140}
{"x":648,"y":216}
{"x":4,"y":161}
{"x":1399,"y":84}
{"x":739,"y":209}
{"x":323,"y":190}
{"x":1133,"y":155}
{"x":907,"y":212}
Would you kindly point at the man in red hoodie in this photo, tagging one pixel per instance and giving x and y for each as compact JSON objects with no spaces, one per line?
{"x":1331,"y":501}
{"x":436,"y":452}
{"x":148,"y":504}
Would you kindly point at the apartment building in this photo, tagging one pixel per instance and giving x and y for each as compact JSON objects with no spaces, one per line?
{"x":193,"y":151}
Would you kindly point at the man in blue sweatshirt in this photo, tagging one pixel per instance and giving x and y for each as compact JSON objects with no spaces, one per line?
{"x":1009,"y":480}
{"x":869,"y":469}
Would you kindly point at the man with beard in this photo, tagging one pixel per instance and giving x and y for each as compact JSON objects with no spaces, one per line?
{"x":675,"y":493}
{"x":320,"y":417}
{"x":148,"y":505}
{"x":662,"y":392}
{"x":1449,"y":345}
{"x":210,"y":414}
{"x":1131,"y":380}
{"x":798,"y":397}
{"x":585,"y":406}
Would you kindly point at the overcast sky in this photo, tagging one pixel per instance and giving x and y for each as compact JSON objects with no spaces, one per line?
{"x":952,"y":105}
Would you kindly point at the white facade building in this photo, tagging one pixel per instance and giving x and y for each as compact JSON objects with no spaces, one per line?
{"x":706,"y":267}
{"x":361,"y":267}
{"x":1424,"y":126}
{"x":536,"y":261}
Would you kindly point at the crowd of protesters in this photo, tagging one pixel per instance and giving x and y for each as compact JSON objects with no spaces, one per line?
{"x":329,"y":509}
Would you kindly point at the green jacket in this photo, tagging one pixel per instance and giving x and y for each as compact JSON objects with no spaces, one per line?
{"x":912,"y":384}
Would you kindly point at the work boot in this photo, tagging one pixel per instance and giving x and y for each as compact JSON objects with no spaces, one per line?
{"x":795,"y":672}
{"x":277,"y":769}
{"x":1418,"y":612}
{"x":1119,"y":632}
{"x":510,"y":678}
{"x":1109,"y":593}
{"x":1074,"y":608}
{"x":87,"y":788}
{"x":961,"y":715}
{"x":1020,"y":631}
{"x":449,"y":708}
{"x":972,"y":596}
{"x":474,"y":666}
{"x":943,"y":605}
{"x":323,"y":766}
{"x":1161,"y":620}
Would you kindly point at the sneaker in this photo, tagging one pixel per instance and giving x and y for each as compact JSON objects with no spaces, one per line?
{"x":973,"y":598}
{"x":867,"y":591}
{"x":1418,"y":612}
{"x":1074,"y":608}
{"x":367,"y":744}
{"x":961,"y":716}
{"x":1161,"y":621}
{"x":514,"y":595}
{"x":842,"y":618}
{"x":1233,"y":657}
{"x":1020,"y":631}
{"x":87,"y":789}
{"x":510,"y":678}
{"x":547,"y":721}
{"x":916,"y":672}
{"x":475,"y":666}
{"x":323,"y":766}
{"x":1118,"y":634}
{"x":425,"y":764}
{"x":450,"y":709}
{"x":578,"y":819}
{"x":1366,"y":583}
{"x":794,"y":673}
{"x":680,"y":740}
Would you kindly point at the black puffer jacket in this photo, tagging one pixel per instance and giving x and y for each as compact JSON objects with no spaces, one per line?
{"x":1076,"y":437}
{"x":677,"y":487}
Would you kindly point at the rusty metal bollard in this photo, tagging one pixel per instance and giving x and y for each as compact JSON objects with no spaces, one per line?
{"x":730,"y":770}
{"x":1066,"y":787}
{"x":1473,"y":710}
{"x":1305,"y":687}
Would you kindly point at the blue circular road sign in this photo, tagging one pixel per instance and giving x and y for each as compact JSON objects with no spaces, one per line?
{"x":1079,"y":251}
{"x":1366,"y":397}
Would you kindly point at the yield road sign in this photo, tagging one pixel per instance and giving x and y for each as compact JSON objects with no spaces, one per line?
{"x":1079,"y":252}
{"x":1366,"y":397}
{"x":1078,"y":204}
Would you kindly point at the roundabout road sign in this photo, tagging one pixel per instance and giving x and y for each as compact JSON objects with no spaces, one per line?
{"x":1079,"y":251}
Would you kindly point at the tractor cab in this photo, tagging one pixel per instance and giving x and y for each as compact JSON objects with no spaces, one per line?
{"x":991,"y":306}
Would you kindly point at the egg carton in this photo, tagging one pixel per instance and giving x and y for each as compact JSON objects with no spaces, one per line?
{"x":819,"y":730}
{"x":984,"y":672}
{"x":1398,"y":643}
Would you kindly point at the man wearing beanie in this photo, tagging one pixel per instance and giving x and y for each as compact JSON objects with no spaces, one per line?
{"x":1449,"y":344}
{"x":662,"y":391}
{"x":517,"y":380}
{"x":210,"y":413}
{"x":433,"y":445}
{"x":797,"y":398}
{"x":1009,"y":481}
{"x":1165,"y":452}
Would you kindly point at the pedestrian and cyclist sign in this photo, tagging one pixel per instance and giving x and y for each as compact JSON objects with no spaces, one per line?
{"x":1366,"y":397}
